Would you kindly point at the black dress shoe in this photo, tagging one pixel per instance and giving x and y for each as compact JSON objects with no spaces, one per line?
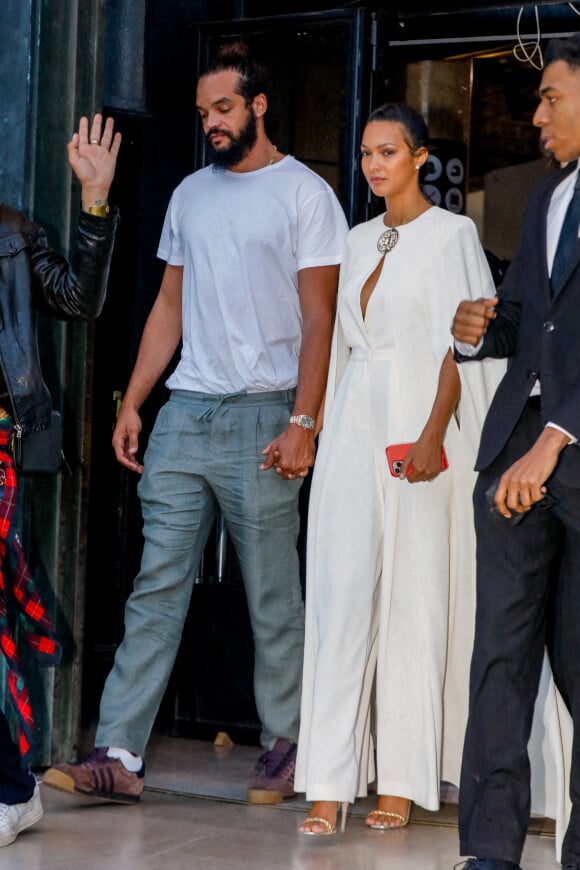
{"x":570,"y":867}
{"x":494,"y":864}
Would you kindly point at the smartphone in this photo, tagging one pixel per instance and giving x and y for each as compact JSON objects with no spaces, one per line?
{"x":547,"y":502}
{"x":396,"y":456}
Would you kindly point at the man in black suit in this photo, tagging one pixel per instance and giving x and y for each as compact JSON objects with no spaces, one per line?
{"x":527,"y":498}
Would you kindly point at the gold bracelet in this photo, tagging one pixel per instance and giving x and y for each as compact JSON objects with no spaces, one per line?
{"x":100,"y":207}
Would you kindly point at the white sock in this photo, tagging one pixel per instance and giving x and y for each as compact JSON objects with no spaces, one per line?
{"x":133,"y":763}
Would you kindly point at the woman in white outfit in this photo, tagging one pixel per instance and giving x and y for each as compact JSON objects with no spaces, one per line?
{"x":390,"y":577}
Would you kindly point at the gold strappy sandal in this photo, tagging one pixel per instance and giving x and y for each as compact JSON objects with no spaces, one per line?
{"x":378,"y":819}
{"x":329,"y":830}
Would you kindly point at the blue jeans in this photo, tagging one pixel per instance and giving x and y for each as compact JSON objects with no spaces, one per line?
{"x":16,"y":782}
{"x":203,"y":455}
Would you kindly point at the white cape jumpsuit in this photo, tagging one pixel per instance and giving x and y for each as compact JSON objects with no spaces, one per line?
{"x":391,"y":565}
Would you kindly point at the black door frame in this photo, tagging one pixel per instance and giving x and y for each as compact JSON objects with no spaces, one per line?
{"x":354,"y":20}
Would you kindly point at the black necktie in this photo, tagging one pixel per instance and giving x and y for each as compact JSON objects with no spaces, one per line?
{"x":567,"y":240}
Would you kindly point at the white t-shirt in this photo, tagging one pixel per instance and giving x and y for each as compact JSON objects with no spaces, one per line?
{"x":241,"y":238}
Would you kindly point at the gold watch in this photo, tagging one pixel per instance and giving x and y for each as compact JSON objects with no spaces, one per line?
{"x":100,"y":208}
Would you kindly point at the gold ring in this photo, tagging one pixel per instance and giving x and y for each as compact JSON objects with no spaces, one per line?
{"x":95,"y":141}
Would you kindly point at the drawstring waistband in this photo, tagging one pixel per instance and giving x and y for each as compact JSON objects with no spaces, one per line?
{"x":215,"y":401}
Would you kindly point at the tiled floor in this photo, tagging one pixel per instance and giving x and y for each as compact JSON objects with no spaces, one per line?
{"x":193,"y":815}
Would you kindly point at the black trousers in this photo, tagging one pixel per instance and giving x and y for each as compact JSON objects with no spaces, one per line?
{"x":16,"y":783}
{"x":518,"y":570}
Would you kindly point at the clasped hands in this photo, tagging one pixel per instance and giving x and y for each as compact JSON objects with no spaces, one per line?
{"x":291,"y":454}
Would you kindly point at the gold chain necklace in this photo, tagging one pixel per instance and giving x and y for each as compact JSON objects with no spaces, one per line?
{"x":273,"y":157}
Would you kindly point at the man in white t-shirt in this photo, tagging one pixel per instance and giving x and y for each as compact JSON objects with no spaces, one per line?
{"x":252,"y":246}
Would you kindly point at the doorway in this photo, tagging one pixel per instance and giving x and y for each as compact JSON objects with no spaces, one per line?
{"x":318,"y":66}
{"x":329,"y":68}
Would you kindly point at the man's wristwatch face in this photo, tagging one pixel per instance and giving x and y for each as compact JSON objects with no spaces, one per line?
{"x":304,"y":421}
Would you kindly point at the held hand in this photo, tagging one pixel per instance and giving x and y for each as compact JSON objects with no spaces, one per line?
{"x":423,"y":461}
{"x":290,"y":454}
{"x":472,"y":320}
{"x":93,"y":158}
{"x":522,"y":485}
{"x":126,"y":439}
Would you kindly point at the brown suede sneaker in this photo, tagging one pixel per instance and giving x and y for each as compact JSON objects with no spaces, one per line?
{"x":98,"y":776}
{"x":275,"y":780}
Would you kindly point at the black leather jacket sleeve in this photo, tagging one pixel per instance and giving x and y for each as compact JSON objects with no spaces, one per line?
{"x":34,"y":277}
{"x":75,"y":289}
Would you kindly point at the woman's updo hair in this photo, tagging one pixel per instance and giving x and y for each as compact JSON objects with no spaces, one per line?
{"x":416,"y":134}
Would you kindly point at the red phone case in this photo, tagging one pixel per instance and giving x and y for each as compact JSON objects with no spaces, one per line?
{"x":396,"y":455}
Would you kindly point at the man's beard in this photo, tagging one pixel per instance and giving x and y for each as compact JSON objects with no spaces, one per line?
{"x":239,"y":147}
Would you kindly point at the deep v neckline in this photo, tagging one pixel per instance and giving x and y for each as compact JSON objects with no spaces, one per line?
{"x":377,"y":270}
{"x":376,"y":273}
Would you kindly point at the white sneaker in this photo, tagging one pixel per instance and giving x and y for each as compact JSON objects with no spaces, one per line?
{"x":15,"y":818}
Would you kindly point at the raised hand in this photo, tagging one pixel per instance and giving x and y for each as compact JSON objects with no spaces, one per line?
{"x":93,"y":158}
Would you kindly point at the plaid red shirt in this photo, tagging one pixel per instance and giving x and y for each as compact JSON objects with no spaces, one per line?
{"x":22,"y":611}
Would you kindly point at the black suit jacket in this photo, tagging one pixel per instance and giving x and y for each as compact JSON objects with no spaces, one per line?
{"x":541,"y":335}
